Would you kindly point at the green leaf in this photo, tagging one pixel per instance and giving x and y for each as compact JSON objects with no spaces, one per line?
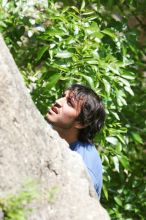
{"x":64,"y":54}
{"x":110,"y":33}
{"x":129,"y":90}
{"x":52,"y":80}
{"x":88,"y":79}
{"x":41,"y":52}
{"x":112,"y":140}
{"x":75,"y":8}
{"x":120,"y":100}
{"x":137,"y":137}
{"x":107,"y":86}
{"x":126,"y":76}
{"x":116,"y":115}
{"x":124,"y":81}
{"x":105,"y":191}
{"x":105,"y":158}
{"x":124,"y":161}
{"x":83,"y":5}
{"x":116,"y":163}
{"x":94,"y":31}
{"x":121,"y":138}
{"x":118,"y":201}
{"x":128,"y":207}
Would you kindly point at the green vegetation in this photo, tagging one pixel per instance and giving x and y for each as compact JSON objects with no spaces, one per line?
{"x":52,"y":193}
{"x":15,"y":207}
{"x":18,"y":206}
{"x":90,"y":42}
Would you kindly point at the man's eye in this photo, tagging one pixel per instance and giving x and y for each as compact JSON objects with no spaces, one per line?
{"x":69,"y":102}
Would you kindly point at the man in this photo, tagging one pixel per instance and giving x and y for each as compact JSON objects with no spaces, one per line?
{"x":77,"y":116}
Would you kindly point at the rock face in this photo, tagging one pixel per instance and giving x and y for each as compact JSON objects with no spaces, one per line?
{"x":29,"y":148}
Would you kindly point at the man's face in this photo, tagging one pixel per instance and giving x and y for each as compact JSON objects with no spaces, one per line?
{"x":64,"y":111}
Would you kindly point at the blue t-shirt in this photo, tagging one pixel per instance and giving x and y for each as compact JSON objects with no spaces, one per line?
{"x":92,"y":161}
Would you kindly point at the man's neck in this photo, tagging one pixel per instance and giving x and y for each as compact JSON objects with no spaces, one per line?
{"x":70,"y":135}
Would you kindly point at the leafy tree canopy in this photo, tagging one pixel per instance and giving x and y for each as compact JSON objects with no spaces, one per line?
{"x":90,"y":42}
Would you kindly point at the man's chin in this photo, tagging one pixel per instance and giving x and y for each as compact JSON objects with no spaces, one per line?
{"x":46,"y":117}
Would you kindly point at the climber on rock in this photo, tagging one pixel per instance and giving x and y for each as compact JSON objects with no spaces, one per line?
{"x":77,"y":116}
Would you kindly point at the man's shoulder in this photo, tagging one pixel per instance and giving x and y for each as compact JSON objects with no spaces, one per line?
{"x":87,"y":150}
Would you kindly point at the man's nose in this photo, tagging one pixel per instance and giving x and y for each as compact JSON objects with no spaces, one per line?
{"x":59,"y":102}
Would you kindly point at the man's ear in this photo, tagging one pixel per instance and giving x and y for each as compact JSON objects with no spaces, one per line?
{"x":78,"y":125}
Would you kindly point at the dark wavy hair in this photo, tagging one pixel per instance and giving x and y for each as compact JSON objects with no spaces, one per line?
{"x":92,"y":114}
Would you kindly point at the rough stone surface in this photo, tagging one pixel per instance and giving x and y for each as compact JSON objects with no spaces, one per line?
{"x":30,"y":149}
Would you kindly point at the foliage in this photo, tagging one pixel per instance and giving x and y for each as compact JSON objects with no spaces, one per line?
{"x":18,"y":206}
{"x":90,"y":42}
{"x":15,"y":207}
{"x":52,"y":193}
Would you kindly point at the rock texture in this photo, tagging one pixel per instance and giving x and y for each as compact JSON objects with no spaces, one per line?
{"x":29,"y":148}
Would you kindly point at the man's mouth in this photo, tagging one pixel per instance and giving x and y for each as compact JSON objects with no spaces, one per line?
{"x":54,"y":109}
